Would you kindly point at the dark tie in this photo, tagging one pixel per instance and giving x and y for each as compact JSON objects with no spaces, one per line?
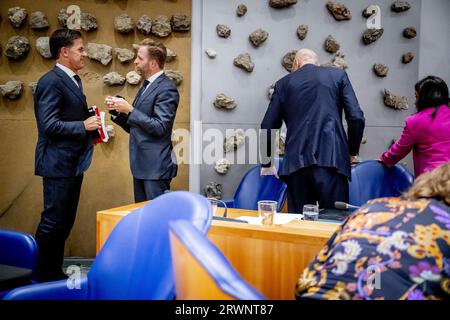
{"x":141,"y":91}
{"x":78,"y":79}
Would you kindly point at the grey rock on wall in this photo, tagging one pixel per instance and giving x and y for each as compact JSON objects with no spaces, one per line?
{"x":331,"y":44}
{"x":270,"y":91}
{"x":288,"y":60}
{"x":338,"y":62}
{"x":32,"y":85}
{"x":244,"y":61}
{"x":211,"y":53}
{"x":222,"y":166}
{"x":88,"y":22}
{"x":234,"y":141}
{"x":133,"y":78}
{"x":180,"y":23}
{"x":12,"y":90}
{"x":223,"y":31}
{"x":224,"y":102}
{"x":302,"y":31}
{"x":144,"y":25}
{"x":372,"y":35}
{"x":409,"y":32}
{"x":17,"y":47}
{"x":213,"y":190}
{"x":241,"y":10}
{"x":175,"y":76}
{"x":17,"y":16}
{"x":113,"y":79}
{"x":380,"y":70}
{"x":394,"y":101}
{"x":38,"y":21}
{"x":123,"y":23}
{"x":62,"y":17}
{"x":278,"y":4}
{"x":258,"y":37}
{"x":171,"y":55}
{"x":43,"y":47}
{"x":161,"y":26}
{"x":99,"y":52}
{"x":339,"y":11}
{"x":407,"y":57}
{"x":400,"y":6}
{"x":124,"y":55}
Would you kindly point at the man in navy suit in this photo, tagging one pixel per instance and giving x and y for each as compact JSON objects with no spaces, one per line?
{"x":64,"y":148}
{"x":149,"y":120}
{"x":318,"y":153}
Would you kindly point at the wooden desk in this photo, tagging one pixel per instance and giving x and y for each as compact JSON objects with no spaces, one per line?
{"x":271,"y":258}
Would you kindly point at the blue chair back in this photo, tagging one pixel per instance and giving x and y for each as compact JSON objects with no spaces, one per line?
{"x":254,"y":187}
{"x":371,"y":179}
{"x":201,"y":270}
{"x":17,"y":249}
{"x":135,"y":262}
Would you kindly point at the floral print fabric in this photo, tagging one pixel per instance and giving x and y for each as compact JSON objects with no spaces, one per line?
{"x":389,"y":249}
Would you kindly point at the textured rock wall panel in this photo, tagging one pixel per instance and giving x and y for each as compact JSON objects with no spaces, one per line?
{"x":109,"y":177}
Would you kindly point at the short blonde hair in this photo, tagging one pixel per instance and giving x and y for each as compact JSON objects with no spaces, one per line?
{"x":434,"y":184}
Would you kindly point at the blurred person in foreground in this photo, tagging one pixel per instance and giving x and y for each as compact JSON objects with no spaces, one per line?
{"x":391,"y":248}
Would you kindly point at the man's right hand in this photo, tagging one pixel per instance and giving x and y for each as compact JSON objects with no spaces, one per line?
{"x":270,"y":171}
{"x":92,"y":123}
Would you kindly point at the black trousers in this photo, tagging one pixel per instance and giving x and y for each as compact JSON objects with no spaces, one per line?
{"x":322,"y":184}
{"x":149,"y":189}
{"x":61,"y":197}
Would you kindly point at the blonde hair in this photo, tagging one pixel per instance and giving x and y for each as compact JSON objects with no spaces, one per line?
{"x":434,"y":184}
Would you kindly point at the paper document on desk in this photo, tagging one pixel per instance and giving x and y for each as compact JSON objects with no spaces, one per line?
{"x":278,"y":218}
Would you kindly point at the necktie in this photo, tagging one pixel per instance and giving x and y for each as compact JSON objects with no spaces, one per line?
{"x":141,"y":90}
{"x":78,"y":79}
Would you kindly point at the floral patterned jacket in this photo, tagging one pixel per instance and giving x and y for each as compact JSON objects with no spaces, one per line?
{"x":391,"y":248}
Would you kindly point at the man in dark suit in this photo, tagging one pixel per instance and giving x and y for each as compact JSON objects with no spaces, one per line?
{"x":318,"y":153}
{"x":149,"y":120}
{"x":64,"y":148}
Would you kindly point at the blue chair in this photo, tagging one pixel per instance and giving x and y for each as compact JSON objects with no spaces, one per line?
{"x":135,"y":262}
{"x":18,"y":254}
{"x":254,"y":187}
{"x":372,"y":179}
{"x":201,"y":270}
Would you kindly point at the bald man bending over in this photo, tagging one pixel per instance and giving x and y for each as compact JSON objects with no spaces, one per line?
{"x":317,"y":162}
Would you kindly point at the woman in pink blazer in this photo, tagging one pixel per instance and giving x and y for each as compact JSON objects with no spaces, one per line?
{"x":427,"y":132}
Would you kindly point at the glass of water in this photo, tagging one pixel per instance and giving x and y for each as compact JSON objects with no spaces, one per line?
{"x":310,"y":212}
{"x":214,"y":203}
{"x":266,"y":211}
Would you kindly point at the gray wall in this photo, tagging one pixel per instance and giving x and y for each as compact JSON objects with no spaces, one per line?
{"x":435,"y":39}
{"x":250,"y":89}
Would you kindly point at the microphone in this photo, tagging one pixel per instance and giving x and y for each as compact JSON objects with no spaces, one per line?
{"x":344,"y":206}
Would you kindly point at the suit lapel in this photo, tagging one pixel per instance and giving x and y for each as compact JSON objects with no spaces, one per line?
{"x":150,"y":89}
{"x":70,"y":85}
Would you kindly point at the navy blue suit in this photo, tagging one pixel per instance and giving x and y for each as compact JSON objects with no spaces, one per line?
{"x":153,"y":163}
{"x":311,"y":101}
{"x":63,"y":152}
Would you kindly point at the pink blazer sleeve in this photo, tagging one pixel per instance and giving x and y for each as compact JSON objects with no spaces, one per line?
{"x":400,"y":148}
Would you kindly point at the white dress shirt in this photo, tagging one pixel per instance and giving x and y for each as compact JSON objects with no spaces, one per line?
{"x":69,"y":72}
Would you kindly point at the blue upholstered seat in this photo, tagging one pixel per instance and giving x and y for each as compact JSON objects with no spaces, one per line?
{"x":135,"y":262}
{"x":372,"y":179}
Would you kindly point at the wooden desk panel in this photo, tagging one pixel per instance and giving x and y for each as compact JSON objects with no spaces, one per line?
{"x":271,"y":258}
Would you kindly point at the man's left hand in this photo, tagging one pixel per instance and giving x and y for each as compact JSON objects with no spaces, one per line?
{"x":120,"y":105}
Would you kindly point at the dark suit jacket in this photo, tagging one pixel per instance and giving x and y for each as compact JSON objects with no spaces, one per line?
{"x":310,"y":101}
{"x":64,"y":148}
{"x":150,"y":126}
